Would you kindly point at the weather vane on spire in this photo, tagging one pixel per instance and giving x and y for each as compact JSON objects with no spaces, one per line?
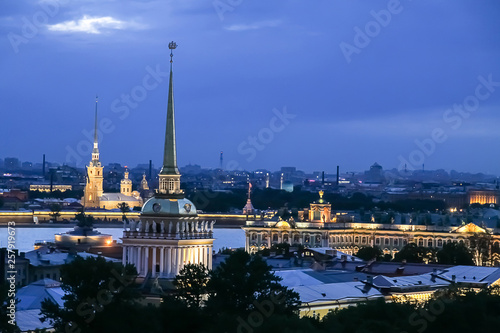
{"x":172,"y":46}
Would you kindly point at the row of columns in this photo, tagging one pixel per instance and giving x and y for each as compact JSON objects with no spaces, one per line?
{"x":170,"y":259}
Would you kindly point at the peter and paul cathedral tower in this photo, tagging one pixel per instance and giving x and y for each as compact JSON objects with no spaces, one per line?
{"x":93,"y":188}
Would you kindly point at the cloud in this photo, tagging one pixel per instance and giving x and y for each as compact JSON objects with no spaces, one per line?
{"x":253,"y":26}
{"x":92,"y":25}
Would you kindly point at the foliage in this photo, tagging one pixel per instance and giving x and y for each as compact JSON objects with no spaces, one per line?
{"x":55,"y":211}
{"x":268,"y":198}
{"x":124,"y":208}
{"x":415,"y":254}
{"x":99,"y":297}
{"x":480,"y":244}
{"x":454,"y":254}
{"x":84,"y":221}
{"x":369,"y":253}
{"x":191,"y":284}
{"x":377,"y":316}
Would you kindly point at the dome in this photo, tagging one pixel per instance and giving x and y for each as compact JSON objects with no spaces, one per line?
{"x":169,"y":207}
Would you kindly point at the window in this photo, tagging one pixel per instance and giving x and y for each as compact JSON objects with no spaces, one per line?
{"x":429,"y":243}
{"x":386,"y":241}
{"x":363,"y":240}
{"x":420,"y":242}
{"x":440,"y":242}
{"x":396,"y":241}
{"x":377,"y":241}
{"x":275,"y":238}
{"x":356,"y":239}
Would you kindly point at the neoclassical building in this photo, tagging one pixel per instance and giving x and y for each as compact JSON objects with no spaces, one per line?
{"x":94,"y":196}
{"x":169,"y":233}
{"x":318,"y":227}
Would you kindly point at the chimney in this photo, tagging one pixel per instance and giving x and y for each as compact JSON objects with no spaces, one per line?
{"x":43,"y":166}
{"x":369,"y":279}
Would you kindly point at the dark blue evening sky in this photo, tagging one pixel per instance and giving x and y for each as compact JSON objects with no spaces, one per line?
{"x":311,"y":84}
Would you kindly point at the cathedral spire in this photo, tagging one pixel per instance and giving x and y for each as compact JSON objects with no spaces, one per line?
{"x":95,"y":151}
{"x":170,"y":154}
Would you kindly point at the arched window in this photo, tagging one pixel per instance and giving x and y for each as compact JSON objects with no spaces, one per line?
{"x":171,"y":184}
{"x":386,"y":241}
{"x":420,"y":242}
{"x":440,"y":243}
{"x":429,"y":243}
{"x":356,"y":239}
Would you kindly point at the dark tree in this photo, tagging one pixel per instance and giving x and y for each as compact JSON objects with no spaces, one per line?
{"x":99,"y":297}
{"x":369,"y":253}
{"x":480,"y":245}
{"x":124,"y":208}
{"x":244,"y":286}
{"x":55,"y":211}
{"x":416,"y":254}
{"x":84,"y":221}
{"x":191,"y":284}
{"x":455,"y":254}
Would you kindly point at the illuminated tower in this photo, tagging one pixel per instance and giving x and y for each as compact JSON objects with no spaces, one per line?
{"x":248,"y":209}
{"x":169,"y":234}
{"x":126,"y":184}
{"x":93,"y":186}
{"x":169,"y":182}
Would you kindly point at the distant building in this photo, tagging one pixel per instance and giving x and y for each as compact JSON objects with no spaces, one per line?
{"x":318,"y":227}
{"x":94,"y":197}
{"x":484,"y":197}
{"x":50,"y":188}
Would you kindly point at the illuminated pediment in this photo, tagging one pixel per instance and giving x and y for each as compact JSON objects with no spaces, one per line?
{"x":470,"y":228}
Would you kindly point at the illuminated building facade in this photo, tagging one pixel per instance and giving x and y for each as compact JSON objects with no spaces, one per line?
{"x":49,"y":188}
{"x":341,"y":232}
{"x":169,"y":234}
{"x":483,"y":197}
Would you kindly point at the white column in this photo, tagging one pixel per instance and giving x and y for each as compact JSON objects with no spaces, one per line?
{"x":204,"y":256}
{"x":146,"y":260}
{"x":124,"y":258}
{"x":169,"y":260}
{"x":139,"y":261}
{"x":180,"y":258}
{"x":153,"y":262}
{"x":247,"y":241}
{"x":162,"y":261}
{"x":210,"y":257}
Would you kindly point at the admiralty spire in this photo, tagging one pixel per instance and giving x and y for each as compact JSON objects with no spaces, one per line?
{"x":169,"y":234}
{"x":169,"y":182}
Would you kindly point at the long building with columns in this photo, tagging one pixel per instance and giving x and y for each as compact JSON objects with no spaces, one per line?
{"x":169,"y":234}
{"x":319,"y":227}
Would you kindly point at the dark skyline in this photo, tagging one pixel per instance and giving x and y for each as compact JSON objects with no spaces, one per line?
{"x":361,"y":82}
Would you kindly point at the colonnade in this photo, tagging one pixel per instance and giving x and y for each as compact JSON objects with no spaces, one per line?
{"x":166,"y":261}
